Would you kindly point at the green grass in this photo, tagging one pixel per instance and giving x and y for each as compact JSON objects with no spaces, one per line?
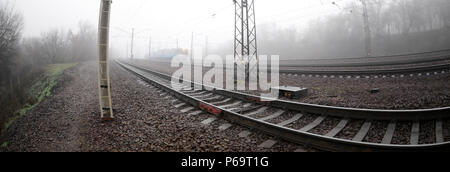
{"x":41,"y":88}
{"x":4,"y":145}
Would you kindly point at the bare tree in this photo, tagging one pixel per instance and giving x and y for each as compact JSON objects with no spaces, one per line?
{"x":83,"y":44}
{"x":54,"y":45}
{"x":398,"y":26}
{"x":11,"y":24}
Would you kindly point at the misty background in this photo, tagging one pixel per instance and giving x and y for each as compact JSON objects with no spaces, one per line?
{"x":289,"y":28}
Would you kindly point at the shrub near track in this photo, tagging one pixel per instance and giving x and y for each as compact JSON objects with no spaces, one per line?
{"x":41,"y":88}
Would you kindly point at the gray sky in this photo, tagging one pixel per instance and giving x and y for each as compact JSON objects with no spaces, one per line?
{"x":166,"y":20}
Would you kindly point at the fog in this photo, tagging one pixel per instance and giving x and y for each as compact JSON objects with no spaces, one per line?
{"x":297,"y":24}
{"x":165,"y":20}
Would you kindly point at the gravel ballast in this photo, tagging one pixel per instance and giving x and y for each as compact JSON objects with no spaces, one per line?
{"x":302,"y":122}
{"x":417,"y":92}
{"x":377,"y":131}
{"x":145,"y":121}
{"x":326,"y":126}
{"x":402,"y":133}
{"x":283,"y":117}
{"x":446,"y":130}
{"x":350,"y":131}
{"x":427,"y":133}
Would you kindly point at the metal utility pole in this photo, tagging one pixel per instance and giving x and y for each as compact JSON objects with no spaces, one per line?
{"x":177,"y":45}
{"x":368,"y":38}
{"x":206,"y":46}
{"x":132,"y":42}
{"x":104,"y":84}
{"x":192,"y":47}
{"x":127,"y":50}
{"x":150,"y":47}
{"x":245,"y":46}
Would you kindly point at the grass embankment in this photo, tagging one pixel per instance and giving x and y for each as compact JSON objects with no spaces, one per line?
{"x":40,"y":89}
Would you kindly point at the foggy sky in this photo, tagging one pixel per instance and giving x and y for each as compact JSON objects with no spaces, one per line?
{"x":165,"y":20}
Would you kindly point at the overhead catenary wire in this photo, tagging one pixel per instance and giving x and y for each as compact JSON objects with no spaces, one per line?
{"x":196,"y":22}
{"x":302,"y":9}
{"x":223,"y":27}
{"x":290,"y":19}
{"x":130,"y":20}
{"x":264,"y":18}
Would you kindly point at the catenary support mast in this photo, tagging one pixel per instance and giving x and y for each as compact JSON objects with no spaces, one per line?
{"x":104,"y":83}
{"x":245,"y":45}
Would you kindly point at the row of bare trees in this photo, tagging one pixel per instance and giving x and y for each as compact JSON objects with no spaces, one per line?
{"x":397,"y":27}
{"x":58,"y":46}
{"x":11,"y":25}
{"x":22,"y":59}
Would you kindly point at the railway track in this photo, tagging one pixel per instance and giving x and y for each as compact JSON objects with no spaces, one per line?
{"x":417,"y":64}
{"x":412,"y":71}
{"x":400,"y":59}
{"x":322,"y":127}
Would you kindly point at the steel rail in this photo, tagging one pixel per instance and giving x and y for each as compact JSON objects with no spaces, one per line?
{"x":402,"y":59}
{"x":354,"y":113}
{"x":296,"y":136}
{"x":288,"y":66}
{"x":370,"y":72}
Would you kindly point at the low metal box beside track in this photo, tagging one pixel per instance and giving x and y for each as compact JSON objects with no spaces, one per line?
{"x":291,"y":92}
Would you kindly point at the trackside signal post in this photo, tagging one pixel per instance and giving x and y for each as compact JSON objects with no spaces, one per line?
{"x":104,"y":83}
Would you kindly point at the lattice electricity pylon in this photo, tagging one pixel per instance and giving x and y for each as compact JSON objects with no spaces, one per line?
{"x":245,"y":45}
{"x":104,"y":84}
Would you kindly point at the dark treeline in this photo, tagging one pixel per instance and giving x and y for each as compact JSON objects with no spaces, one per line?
{"x":22,"y":60}
{"x":397,"y":27}
{"x":11,"y":25}
{"x":58,"y":46}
